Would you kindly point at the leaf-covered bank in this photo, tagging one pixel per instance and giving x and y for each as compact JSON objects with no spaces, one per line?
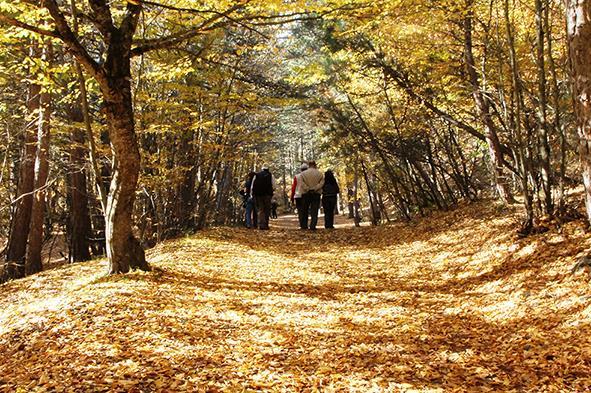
{"x":455,"y":302}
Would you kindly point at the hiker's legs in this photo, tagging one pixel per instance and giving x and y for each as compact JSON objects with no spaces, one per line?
{"x":250,"y":211}
{"x":302,"y":217}
{"x":314,"y":206}
{"x":260,"y":210}
{"x":306,"y":201}
{"x":329,"y":204}
{"x":264,"y":210}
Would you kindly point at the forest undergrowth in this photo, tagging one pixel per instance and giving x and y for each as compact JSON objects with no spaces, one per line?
{"x":455,"y":302}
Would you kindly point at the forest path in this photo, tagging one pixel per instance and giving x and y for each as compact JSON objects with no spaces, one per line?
{"x":452,"y":303}
{"x":290,"y":221}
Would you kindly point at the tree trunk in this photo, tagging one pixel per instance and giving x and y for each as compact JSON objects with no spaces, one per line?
{"x":21,"y":219}
{"x":80,"y":227}
{"x":123,"y":249}
{"x":557,"y":123}
{"x":579,"y":37}
{"x":544,"y":144}
{"x":375,"y":219}
{"x":33,"y":262}
{"x":483,"y":109}
{"x":523,"y":157}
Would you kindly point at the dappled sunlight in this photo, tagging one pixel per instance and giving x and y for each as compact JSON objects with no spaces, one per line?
{"x":397,"y":308}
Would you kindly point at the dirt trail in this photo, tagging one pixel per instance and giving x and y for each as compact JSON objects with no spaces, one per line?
{"x":290,"y":221}
{"x":453,"y":303}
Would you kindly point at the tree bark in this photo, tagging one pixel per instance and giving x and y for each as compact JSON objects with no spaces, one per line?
{"x":21,"y":219}
{"x":123,"y":249}
{"x":579,"y":36}
{"x":33,"y":261}
{"x":80,"y":227}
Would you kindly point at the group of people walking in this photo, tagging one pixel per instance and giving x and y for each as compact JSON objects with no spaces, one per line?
{"x":309,"y":189}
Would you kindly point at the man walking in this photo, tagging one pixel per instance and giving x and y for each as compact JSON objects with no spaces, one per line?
{"x":296,"y":197}
{"x":312,"y":183}
{"x":263,"y":186}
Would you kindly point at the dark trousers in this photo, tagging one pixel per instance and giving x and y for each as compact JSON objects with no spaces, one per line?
{"x":311,"y":206}
{"x":303,"y":220}
{"x":329,"y":204}
{"x":263,"y":203}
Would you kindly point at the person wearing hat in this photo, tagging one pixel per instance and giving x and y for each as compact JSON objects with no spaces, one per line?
{"x":263,"y":186}
{"x":296,"y":196}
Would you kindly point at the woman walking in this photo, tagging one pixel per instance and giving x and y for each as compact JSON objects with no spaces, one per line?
{"x":330,"y":190}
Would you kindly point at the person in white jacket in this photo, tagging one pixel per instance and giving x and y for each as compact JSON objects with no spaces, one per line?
{"x":312,"y":182}
{"x":296,"y":196}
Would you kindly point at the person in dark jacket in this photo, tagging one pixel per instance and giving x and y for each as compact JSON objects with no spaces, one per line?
{"x":330,"y":190}
{"x":263,"y":186}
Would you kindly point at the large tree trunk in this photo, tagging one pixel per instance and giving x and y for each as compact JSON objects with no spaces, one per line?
{"x":483,"y":108}
{"x":33,"y":262}
{"x":21,"y":218}
{"x":579,"y":37}
{"x":80,"y":227}
{"x":123,"y":249}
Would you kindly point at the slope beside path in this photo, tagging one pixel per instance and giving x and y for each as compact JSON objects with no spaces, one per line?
{"x":455,"y":302}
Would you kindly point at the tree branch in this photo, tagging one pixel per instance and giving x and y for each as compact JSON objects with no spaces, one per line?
{"x":71,"y":40}
{"x":171,"y":40}
{"x":7,"y":20}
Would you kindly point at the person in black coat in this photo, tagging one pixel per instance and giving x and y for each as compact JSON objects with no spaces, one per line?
{"x":330,"y":190}
{"x":263,"y":186}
